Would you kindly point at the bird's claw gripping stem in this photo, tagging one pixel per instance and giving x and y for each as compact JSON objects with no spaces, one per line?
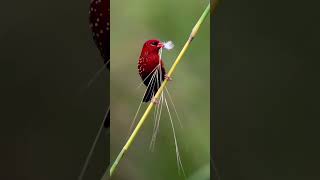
{"x":155,"y":100}
{"x":167,"y":77}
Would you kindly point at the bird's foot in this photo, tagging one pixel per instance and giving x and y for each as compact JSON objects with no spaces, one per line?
{"x":155,"y":101}
{"x":168,"y":78}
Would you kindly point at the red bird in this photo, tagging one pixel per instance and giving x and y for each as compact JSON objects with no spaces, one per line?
{"x":99,"y":19}
{"x":100,"y":26}
{"x":151,"y":68}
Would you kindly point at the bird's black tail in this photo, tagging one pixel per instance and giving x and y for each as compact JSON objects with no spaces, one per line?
{"x":151,"y":90}
{"x":153,"y":84}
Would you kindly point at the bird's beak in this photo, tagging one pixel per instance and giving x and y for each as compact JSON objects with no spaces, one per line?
{"x":160,"y":45}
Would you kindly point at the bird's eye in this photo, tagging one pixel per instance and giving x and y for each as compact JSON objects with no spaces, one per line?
{"x":154,"y":43}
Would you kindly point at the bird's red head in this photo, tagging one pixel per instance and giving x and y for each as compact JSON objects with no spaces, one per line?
{"x":152,"y":46}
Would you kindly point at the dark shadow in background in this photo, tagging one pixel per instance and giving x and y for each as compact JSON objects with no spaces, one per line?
{"x":48,"y":117}
{"x":265,"y":90}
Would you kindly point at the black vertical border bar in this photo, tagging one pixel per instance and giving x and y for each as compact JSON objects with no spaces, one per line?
{"x":108,"y":120}
{"x":213,"y":169}
{"x":211,"y":95}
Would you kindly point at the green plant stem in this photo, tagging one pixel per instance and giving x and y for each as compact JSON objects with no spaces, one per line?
{"x":149,"y":108}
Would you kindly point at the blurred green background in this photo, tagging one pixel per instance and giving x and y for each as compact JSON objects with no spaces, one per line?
{"x":132,"y":23}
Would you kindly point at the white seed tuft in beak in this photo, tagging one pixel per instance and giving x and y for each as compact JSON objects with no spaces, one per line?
{"x":168,"y":45}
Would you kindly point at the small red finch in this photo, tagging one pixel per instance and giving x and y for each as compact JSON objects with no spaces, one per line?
{"x":151,"y":67}
{"x":99,"y":17}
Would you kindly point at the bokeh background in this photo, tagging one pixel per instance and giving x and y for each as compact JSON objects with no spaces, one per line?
{"x":132,"y":23}
{"x":265,"y":80}
{"x":49,"y":117}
